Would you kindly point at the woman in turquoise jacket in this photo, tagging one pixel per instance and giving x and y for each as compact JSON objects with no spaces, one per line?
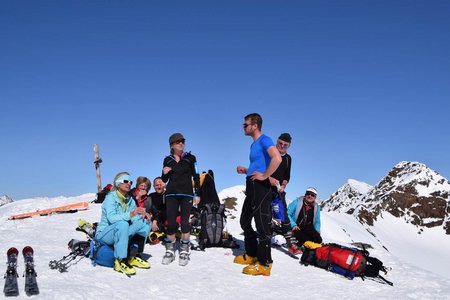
{"x":304,"y":216}
{"x":121,"y":221}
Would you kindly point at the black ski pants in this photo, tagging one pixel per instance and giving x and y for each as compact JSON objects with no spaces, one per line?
{"x":257,"y":206}
{"x":307,"y":233}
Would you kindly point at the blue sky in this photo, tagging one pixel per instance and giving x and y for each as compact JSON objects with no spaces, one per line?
{"x":360,"y":85}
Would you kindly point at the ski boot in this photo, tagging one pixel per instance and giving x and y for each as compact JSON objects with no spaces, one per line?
{"x":121,"y":265}
{"x":169,"y":256}
{"x":185,"y":253}
{"x":245,"y":259}
{"x":257,"y":269}
{"x":86,"y":227}
{"x":294,"y":249}
{"x":138,"y":262}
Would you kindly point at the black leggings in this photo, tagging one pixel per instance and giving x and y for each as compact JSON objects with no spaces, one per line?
{"x":178,"y":205}
{"x":257,"y":205}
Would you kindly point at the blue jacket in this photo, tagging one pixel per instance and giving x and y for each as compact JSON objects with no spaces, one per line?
{"x":294,"y":210}
{"x":112,"y":211}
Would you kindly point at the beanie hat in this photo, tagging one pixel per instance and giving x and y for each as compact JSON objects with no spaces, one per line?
{"x":175,"y":137}
{"x":285,"y":137}
{"x":312,"y":190}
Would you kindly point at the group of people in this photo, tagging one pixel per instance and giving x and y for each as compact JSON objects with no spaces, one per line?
{"x":128,"y":215}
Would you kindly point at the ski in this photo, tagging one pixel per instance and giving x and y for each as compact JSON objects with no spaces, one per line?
{"x":31,"y":286}
{"x":11,"y":288}
{"x":74,"y":207}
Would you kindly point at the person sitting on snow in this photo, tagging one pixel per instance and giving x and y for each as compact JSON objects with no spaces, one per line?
{"x":304,"y":215}
{"x":140,"y":193}
{"x":122,"y":222}
{"x":158,"y":208}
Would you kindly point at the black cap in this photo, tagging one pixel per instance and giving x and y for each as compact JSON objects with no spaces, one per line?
{"x":175,"y":137}
{"x":286,"y":137}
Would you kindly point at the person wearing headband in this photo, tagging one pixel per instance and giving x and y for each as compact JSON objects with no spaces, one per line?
{"x":122,"y":225}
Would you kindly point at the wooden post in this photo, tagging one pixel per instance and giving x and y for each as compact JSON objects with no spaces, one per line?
{"x":97,"y":163}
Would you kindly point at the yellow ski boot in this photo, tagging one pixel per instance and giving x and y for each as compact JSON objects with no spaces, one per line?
{"x":245,"y":259}
{"x":138,"y":263}
{"x":257,"y":269}
{"x":120,"y":265}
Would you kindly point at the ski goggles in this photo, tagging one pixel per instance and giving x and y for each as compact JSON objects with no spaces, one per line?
{"x":124,"y":179}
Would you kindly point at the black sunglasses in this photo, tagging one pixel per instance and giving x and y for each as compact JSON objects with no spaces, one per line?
{"x":180,"y":141}
{"x":245,"y":125}
{"x":310,"y":194}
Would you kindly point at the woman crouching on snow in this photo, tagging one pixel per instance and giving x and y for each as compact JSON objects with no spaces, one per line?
{"x":121,"y":221}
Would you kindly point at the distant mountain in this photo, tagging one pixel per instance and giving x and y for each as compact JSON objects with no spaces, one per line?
{"x":5,"y":200}
{"x":410,"y":191}
{"x":347,"y":198}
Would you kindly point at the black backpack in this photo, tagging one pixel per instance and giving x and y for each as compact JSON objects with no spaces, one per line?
{"x":212,"y":220}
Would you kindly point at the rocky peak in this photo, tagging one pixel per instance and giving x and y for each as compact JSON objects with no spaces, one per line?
{"x":5,"y":200}
{"x":410,"y":191}
{"x":347,"y":198}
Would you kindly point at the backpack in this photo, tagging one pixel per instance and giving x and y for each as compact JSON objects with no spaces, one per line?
{"x":346,"y":261}
{"x":278,"y":208}
{"x":212,"y":220}
{"x":101,"y":254}
{"x":102,"y":194}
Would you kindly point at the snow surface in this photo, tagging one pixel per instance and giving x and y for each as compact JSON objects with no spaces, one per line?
{"x":212,"y":274}
{"x":359,"y":186}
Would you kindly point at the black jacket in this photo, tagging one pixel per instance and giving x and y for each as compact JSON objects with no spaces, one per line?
{"x":180,"y":177}
{"x":158,"y":209}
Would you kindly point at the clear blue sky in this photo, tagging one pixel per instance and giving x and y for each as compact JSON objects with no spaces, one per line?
{"x":360,"y":85}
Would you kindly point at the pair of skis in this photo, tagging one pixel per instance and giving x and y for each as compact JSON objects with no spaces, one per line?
{"x":11,"y":287}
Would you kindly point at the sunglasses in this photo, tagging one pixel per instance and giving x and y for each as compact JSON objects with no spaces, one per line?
{"x":281,"y":144}
{"x":310,"y":194}
{"x":180,"y":141}
{"x":126,"y":181}
{"x":245,"y":125}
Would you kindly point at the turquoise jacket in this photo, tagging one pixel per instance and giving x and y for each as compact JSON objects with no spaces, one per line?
{"x":112,"y":211}
{"x":294,"y":210}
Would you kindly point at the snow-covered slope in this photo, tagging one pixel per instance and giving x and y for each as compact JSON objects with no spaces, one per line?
{"x":210,"y":274}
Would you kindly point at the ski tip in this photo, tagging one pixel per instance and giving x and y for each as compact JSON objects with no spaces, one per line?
{"x":27,"y":249}
{"x":12,"y":251}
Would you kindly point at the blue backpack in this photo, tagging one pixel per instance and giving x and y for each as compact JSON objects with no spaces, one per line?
{"x":101,"y":254}
{"x":278,"y":208}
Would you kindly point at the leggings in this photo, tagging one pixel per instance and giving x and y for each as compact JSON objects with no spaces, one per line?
{"x":181,"y":205}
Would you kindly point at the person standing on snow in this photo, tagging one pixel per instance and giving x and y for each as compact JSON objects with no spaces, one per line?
{"x":279,"y":180}
{"x":178,"y":170}
{"x":304,"y":215}
{"x":122,"y":221}
{"x":264,"y":160}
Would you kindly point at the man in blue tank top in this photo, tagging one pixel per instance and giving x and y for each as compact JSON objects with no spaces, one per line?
{"x":264,"y":160}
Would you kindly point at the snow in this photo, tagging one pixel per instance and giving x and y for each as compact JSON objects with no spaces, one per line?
{"x":359,"y":186}
{"x":212,"y":274}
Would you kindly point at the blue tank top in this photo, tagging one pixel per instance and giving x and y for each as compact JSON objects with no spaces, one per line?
{"x":259,"y":157}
